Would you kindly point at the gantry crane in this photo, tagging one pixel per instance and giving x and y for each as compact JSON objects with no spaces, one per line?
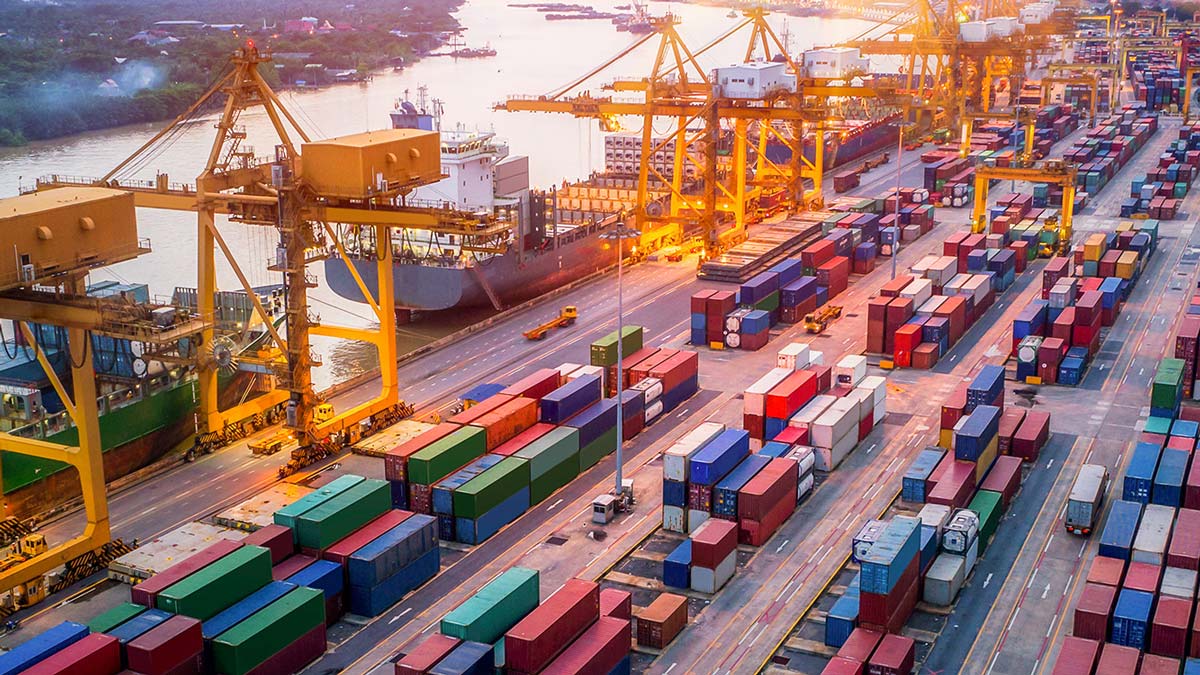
{"x":1189,"y":90}
{"x":1090,"y":81}
{"x":1054,"y":172}
{"x":679,"y":89}
{"x":1023,"y":116}
{"x":351,"y":184}
{"x":1114,"y":88}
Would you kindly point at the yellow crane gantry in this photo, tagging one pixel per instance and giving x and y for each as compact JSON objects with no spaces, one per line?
{"x":1054,"y":172}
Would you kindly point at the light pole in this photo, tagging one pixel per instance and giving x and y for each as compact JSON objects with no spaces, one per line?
{"x":899,"y":172}
{"x":617,"y":235}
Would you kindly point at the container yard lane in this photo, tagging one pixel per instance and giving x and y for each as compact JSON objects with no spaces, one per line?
{"x":1019,"y":631}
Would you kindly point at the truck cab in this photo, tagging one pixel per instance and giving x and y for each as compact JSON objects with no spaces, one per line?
{"x":1086,"y":499}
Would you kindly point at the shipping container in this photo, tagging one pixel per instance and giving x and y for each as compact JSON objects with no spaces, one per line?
{"x":114,"y":617}
{"x":718,"y":457}
{"x":252,"y":642}
{"x":288,"y":515}
{"x":426,"y":655}
{"x":342,"y":549}
{"x":495,"y":608}
{"x":242,"y":609}
{"x":600,"y":649}
{"x":1092,"y":611}
{"x":1116,"y":539}
{"x":468,"y":658}
{"x":217,"y":586}
{"x":319,"y":528}
{"x":277,"y":539}
{"x":145,"y":592}
{"x":662,"y":620}
{"x":534,"y":641}
{"x":1077,"y":656}
{"x":94,"y":654}
{"x":161,"y":650}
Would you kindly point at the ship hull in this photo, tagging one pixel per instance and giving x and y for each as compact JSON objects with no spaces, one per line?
{"x":875,"y":137}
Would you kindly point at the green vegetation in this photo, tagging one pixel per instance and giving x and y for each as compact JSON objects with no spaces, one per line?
{"x":77,"y":65}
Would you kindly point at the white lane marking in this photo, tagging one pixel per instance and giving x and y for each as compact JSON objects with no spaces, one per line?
{"x":671,"y":667}
{"x":1035,"y":667}
{"x":1014,"y":618}
{"x":785,"y":590}
{"x":1032,"y":577}
{"x":785,"y":543}
{"x":399,"y":616}
{"x":1045,"y":591}
{"x":988,"y":580}
{"x":551,"y":507}
{"x":871,"y":448}
{"x":1050,"y":463}
{"x":1050,"y":628}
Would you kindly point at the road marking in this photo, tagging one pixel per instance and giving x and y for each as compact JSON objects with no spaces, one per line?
{"x":1050,"y":628}
{"x":988,"y":580}
{"x":1032,"y":577}
{"x":1046,"y":591}
{"x":785,"y":543}
{"x":398,"y":616}
{"x":1035,"y":667}
{"x":1014,"y":618}
{"x":1050,"y":463}
{"x":593,"y":559}
{"x":785,"y":590}
{"x":1082,"y":546}
{"x":551,"y":507}
{"x":1140,"y":371}
{"x":671,"y":667}
{"x":993,"y":663}
{"x":871,"y":448}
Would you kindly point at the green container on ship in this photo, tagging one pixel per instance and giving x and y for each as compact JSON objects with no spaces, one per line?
{"x":319,"y":528}
{"x":1158,"y":425}
{"x":604,"y":350}
{"x":769,"y":303}
{"x":546,"y":484}
{"x":251,"y":642}
{"x":483,"y":492}
{"x":597,"y":450}
{"x":550,"y":450}
{"x":988,"y":505}
{"x":488,"y":614}
{"x":221,"y":583}
{"x":114,"y":617}
{"x":1168,"y":384}
{"x":446,"y":455}
{"x":287,"y":515}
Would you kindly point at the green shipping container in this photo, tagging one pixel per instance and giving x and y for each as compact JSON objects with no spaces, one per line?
{"x":488,"y":614}
{"x":597,"y":450}
{"x":224,"y":581}
{"x":1168,"y":383}
{"x":550,"y":450}
{"x":769,"y":303}
{"x":321,"y":527}
{"x":545,"y":485}
{"x":114,"y":617}
{"x":287,"y":515}
{"x":604,"y":350}
{"x":240,"y":649}
{"x":483,"y":492}
{"x":1158,"y":425}
{"x":444,"y":456}
{"x":988,"y":505}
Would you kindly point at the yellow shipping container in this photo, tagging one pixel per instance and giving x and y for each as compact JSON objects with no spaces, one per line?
{"x":1093,"y":247}
{"x":946,"y":439}
{"x":985,"y":460}
{"x":1124,"y":226}
{"x":1127,"y":264}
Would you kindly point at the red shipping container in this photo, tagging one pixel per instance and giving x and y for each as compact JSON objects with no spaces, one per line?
{"x":1158,"y":439}
{"x":839,"y":665}
{"x":894,"y":656}
{"x":721,"y":303}
{"x":659,"y":622}
{"x":96,"y":654}
{"x":480,"y":409}
{"x":700,"y":299}
{"x":955,"y":487}
{"x":700,"y":497}
{"x":145,"y":592}
{"x":523,"y":439}
{"x":774,"y":484}
{"x":275,"y":538}
{"x":677,"y":370}
{"x":899,"y":310}
{"x":597,"y":652}
{"x":1153,"y":664}
{"x":1118,"y":660}
{"x":955,"y":309}
{"x":1169,"y":630}
{"x":395,"y":462}
{"x":509,"y":419}
{"x":713,"y":541}
{"x":616,"y":603}
{"x":1191,"y":487}
{"x":860,"y":645}
{"x":880,"y":609}
{"x":952,"y":241}
{"x":533,"y":643}
{"x":426,"y":655}
{"x":793,"y":435}
{"x":816,"y":254}
{"x":290,"y":566}
{"x":1062,"y":326}
{"x":757,"y":532}
{"x":1077,"y":656}
{"x":165,"y":646}
{"x":1107,"y":571}
{"x":342,"y":549}
{"x":1004,"y":477}
{"x":952,"y":408}
{"x":1092,"y":611}
{"x":1184,"y":550}
{"x":791,"y":394}
{"x":824,"y":377}
{"x":1032,"y":435}
{"x":908,"y":338}
{"x":1010,"y":421}
{"x":640,"y":371}
{"x":892,"y":288}
{"x":1142,"y":576}
{"x":1181,"y":443}
{"x":755,"y":425}
{"x":537,"y":384}
{"x":1194,"y":647}
{"x":294,"y":657}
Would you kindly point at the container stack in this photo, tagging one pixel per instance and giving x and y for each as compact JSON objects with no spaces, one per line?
{"x":709,"y":309}
{"x":603,"y":353}
{"x":890,"y":575}
{"x":1108,"y":146}
{"x":867,"y":650}
{"x":661,"y":621}
{"x":842,"y":618}
{"x":707,"y":466}
{"x":714,"y":555}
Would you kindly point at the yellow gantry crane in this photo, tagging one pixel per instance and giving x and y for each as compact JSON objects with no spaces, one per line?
{"x":1091,"y":81}
{"x":1054,"y":172}
{"x":314,"y":194}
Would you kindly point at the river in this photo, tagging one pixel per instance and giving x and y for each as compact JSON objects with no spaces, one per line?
{"x":534,"y":56}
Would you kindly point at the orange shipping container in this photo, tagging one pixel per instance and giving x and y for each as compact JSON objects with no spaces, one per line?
{"x":508,"y":420}
{"x":480,"y":409}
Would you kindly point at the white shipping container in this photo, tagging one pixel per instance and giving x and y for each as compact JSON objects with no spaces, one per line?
{"x":879,"y":413}
{"x":675,"y":519}
{"x":945,"y":269}
{"x":875,"y":384}
{"x":936,"y":516}
{"x":805,"y":486}
{"x":651,"y":388}
{"x":755,"y":401}
{"x":584,"y":371}
{"x":794,"y":356}
{"x":866,"y":403}
{"x":816,"y":358}
{"x":829,"y":458}
{"x":1179,"y":583}
{"x":695,"y":519}
{"x":974,"y":31}
{"x":812,"y":410}
{"x":920,"y":290}
{"x":804,"y":457}
{"x":930,"y":306}
{"x":1150,"y":544}
{"x":944,"y":580}
{"x":955,"y":284}
{"x":994,"y":242}
{"x":653,"y":410}
{"x":922,"y":266}
{"x":850,"y":370}
{"x":978,"y":285}
{"x":711,"y":581}
{"x":849,"y":403}
{"x":675,"y":459}
{"x":565,"y":370}
{"x":754,"y":80}
{"x":835,"y":62}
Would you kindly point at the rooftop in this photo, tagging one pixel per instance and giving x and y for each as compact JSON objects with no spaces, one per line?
{"x":38,"y":202}
{"x":369,"y":138}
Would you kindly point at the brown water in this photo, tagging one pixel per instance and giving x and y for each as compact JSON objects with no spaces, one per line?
{"x":535,"y":56}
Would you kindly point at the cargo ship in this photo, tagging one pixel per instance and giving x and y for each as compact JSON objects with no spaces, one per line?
{"x":555,"y":236}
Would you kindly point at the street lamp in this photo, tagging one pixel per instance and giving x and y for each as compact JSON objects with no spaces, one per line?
{"x":902,"y":127}
{"x":618,"y":234}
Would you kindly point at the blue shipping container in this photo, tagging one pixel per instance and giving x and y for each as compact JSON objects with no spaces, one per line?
{"x":841,"y":620}
{"x":443,"y":490}
{"x":798,"y":291}
{"x":324,"y":575}
{"x":896,"y":547}
{"x":757,"y":321}
{"x":758,"y":287}
{"x":1185,"y":428}
{"x":986,"y":388}
{"x":913,"y":486}
{"x":677,"y":567}
{"x":671,"y":398}
{"x":978,"y":430}
{"x":1168,"y":479}
{"x":594,"y":421}
{"x":710,"y":463}
{"x":929,"y":548}
{"x":481,"y":391}
{"x":468,"y":658}
{"x":569,"y":399}
{"x":399,"y":494}
{"x":626,"y":665}
{"x":243,"y":608}
{"x":42,"y":645}
{"x":1116,"y":539}
{"x":1131,"y":619}
{"x":479,"y":530}
{"x":139,"y":624}
{"x":675,"y":493}
{"x":787,"y":270}
{"x":726,"y":493}
{"x":375,"y":600}
{"x":775,"y":449}
{"x":1139,"y":477}
{"x":392,"y":550}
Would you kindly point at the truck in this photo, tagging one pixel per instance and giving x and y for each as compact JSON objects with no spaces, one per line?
{"x":1086,"y":499}
{"x":817,"y":321}
{"x":566,"y":317}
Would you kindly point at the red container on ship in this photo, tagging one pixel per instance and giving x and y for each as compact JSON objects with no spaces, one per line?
{"x":342,"y":549}
{"x":530,"y":645}
{"x":538,"y":383}
{"x":145,"y":593}
{"x":1118,"y":660}
{"x":395,"y":461}
{"x":616,"y":603}
{"x":1010,"y":421}
{"x":1031,"y":436}
{"x":162,"y":648}
{"x":95,"y":654}
{"x":766,"y":501}
{"x":956,"y":485}
{"x":1077,"y":656}
{"x":791,"y":394}
{"x":1093,"y":611}
{"x":894,"y":656}
{"x":1004,"y":477}
{"x":1169,"y":629}
{"x":1184,"y":550}
{"x":426,"y":655}
{"x":712,"y":543}
{"x":275,"y":538}
{"x":860,"y":645}
{"x":597,"y":652}
{"x":1107,"y":571}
